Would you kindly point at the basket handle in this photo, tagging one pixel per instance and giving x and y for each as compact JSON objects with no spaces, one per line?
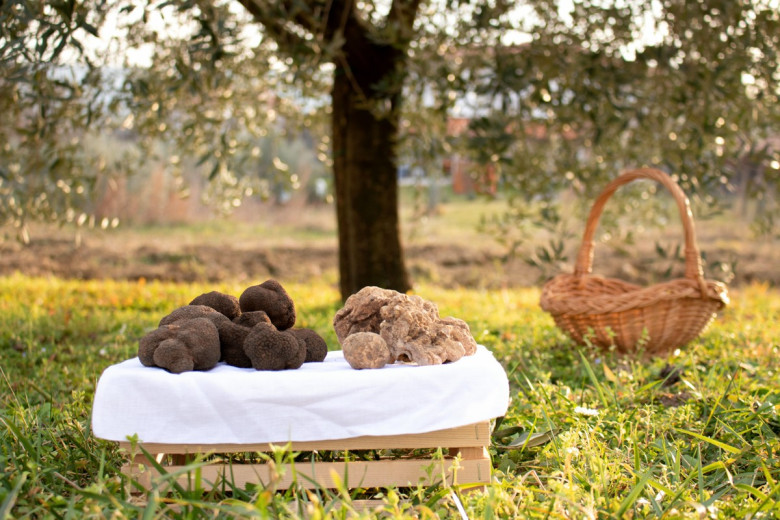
{"x":693,"y":268}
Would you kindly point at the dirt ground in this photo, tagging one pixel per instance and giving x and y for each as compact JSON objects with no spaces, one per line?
{"x":111,"y":254}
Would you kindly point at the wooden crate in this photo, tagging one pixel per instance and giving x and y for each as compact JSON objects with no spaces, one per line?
{"x":466,"y":462}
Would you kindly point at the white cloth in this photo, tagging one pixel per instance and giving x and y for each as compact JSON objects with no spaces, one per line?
{"x":319,"y":401}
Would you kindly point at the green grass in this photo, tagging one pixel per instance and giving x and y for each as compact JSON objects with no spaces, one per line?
{"x":587,"y":435}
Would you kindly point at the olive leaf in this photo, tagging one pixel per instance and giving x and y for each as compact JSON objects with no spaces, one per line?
{"x":529,"y":439}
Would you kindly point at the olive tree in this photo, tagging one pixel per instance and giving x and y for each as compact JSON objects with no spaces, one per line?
{"x":690,"y":87}
{"x":563,"y":94}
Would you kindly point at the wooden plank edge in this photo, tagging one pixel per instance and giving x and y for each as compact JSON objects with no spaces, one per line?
{"x":472,"y":435}
{"x":352,"y":474}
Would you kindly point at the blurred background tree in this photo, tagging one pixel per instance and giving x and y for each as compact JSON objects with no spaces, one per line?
{"x":534,"y":99}
{"x":690,"y":87}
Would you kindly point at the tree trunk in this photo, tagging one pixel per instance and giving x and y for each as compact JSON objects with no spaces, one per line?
{"x":366,"y":182}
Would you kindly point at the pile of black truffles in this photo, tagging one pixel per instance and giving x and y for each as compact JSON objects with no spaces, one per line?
{"x":254,"y":330}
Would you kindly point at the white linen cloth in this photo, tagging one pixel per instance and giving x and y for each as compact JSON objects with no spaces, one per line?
{"x":319,"y":401}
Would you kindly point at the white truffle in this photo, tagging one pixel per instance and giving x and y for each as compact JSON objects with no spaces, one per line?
{"x":366,"y":350}
{"x":411,"y":326}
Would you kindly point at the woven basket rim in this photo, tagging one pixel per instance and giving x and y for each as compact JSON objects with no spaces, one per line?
{"x":577,"y":298}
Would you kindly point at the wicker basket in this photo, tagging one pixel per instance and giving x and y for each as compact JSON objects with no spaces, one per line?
{"x":608,"y":312}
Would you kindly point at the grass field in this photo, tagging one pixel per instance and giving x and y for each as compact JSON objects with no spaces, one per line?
{"x":695,"y":435}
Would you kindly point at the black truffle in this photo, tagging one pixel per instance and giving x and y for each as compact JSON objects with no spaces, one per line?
{"x":271,"y":298}
{"x":271,"y":349}
{"x":231,"y":339}
{"x":316,"y":348}
{"x":250,"y":319}
{"x":223,"y":303}
{"x":189,"y":312}
{"x":191,"y":344}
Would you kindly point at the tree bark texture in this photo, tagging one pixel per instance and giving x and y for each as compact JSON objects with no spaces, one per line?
{"x":365,"y":127}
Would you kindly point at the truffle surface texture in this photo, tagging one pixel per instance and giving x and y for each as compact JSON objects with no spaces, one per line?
{"x":250,"y":319}
{"x":233,"y":334}
{"x":223,"y":303}
{"x":189,"y":312}
{"x":191,"y":344}
{"x":366,"y":350}
{"x":271,"y":298}
{"x":231,"y":339}
{"x":360,"y":312}
{"x":415,"y":333}
{"x":316,"y":348}
{"x":271,"y":349}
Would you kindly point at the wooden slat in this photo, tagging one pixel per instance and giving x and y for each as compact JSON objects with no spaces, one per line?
{"x":468,"y":442}
{"x":477,"y":453}
{"x":383,"y":473}
{"x":473,"y":435}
